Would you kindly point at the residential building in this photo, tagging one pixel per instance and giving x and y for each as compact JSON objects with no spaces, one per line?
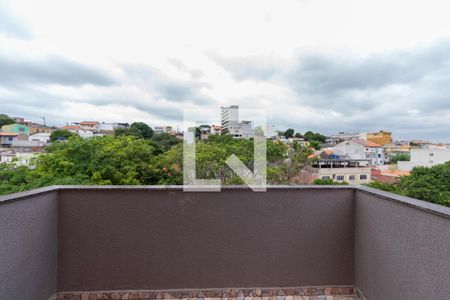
{"x":16,"y":128}
{"x":82,"y":131}
{"x":42,"y":137}
{"x":245,"y":130}
{"x":206,"y":129}
{"x":38,"y":128}
{"x":361,"y":149}
{"x":7,"y":138}
{"x":18,"y":158}
{"x":28,"y":146}
{"x":216,"y":129}
{"x":425,"y":157}
{"x":89,"y":125}
{"x":392,"y":150}
{"x":163,"y":129}
{"x":388,"y":176}
{"x":353,"y":171}
{"x":103,"y":126}
{"x":381,"y":138}
{"x":72,"y":128}
{"x":230,"y":120}
{"x":345,"y":136}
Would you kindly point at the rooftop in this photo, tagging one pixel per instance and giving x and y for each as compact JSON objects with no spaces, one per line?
{"x":158,"y":242}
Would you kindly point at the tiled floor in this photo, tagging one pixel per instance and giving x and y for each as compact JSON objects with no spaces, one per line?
{"x":303,"y":293}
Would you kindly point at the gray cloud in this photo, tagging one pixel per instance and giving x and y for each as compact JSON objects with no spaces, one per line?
{"x":19,"y":71}
{"x":154,"y":81}
{"x":404,"y":91}
{"x":13,"y":26}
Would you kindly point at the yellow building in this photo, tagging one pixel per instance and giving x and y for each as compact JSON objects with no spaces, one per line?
{"x":381,"y":138}
{"x":37,"y":128}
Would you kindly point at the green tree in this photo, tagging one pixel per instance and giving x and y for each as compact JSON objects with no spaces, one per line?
{"x":145,"y":130}
{"x":61,"y":134}
{"x":311,"y":136}
{"x":329,"y":182}
{"x":298,"y":135}
{"x":5,"y":120}
{"x":430,"y":184}
{"x":400,"y":157}
{"x":129,"y":132}
{"x":316,"y":145}
{"x":100,"y":160}
{"x":289,"y":133}
{"x":164,"y":141}
{"x":284,"y":169}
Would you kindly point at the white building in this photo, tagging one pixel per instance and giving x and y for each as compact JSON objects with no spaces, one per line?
{"x":426,"y":157}
{"x":230,"y":120}
{"x":103,"y":126}
{"x":43,"y":137}
{"x":361,"y":149}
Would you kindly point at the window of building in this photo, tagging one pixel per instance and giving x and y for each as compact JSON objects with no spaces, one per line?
{"x":431,"y":154}
{"x":325,"y":177}
{"x":379,"y":155}
{"x":351,"y":177}
{"x":362,"y":177}
{"x":340,"y":177}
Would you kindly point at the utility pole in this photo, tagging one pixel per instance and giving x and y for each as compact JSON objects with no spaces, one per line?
{"x":43,"y":118}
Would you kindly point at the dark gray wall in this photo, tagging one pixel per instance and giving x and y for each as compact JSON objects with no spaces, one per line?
{"x":401,"y":252}
{"x":28,"y":240}
{"x":150,"y":239}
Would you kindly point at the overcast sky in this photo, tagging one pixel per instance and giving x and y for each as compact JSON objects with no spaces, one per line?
{"x":325,"y":66}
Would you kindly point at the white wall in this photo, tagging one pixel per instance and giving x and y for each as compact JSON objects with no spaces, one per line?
{"x":425,"y":158}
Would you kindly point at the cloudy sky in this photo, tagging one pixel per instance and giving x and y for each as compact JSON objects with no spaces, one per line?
{"x":316,"y":65}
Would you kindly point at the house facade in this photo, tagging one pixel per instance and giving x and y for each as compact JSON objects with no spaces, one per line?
{"x":352,"y":171}
{"x":16,"y":128}
{"x":7,"y":138}
{"x":361,"y":149}
{"x":426,"y":157}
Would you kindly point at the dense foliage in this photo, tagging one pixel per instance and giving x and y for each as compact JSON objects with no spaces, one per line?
{"x":431,"y":184}
{"x":127,"y":159}
{"x":329,"y":182}
{"x":61,"y":134}
{"x":5,"y":120}
{"x":399,"y":157}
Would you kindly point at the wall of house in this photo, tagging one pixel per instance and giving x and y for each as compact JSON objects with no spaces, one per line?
{"x":166,"y":239}
{"x":401,"y":251}
{"x":425,"y":158}
{"x":354,"y":150}
{"x":28,"y":239}
{"x":333,"y":173}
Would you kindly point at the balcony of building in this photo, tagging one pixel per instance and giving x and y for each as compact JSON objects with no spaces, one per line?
{"x":292,"y":243}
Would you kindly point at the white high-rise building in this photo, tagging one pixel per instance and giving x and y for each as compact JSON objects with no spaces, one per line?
{"x":230,"y":120}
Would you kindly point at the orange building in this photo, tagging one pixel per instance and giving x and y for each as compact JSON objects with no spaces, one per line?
{"x":381,"y":138}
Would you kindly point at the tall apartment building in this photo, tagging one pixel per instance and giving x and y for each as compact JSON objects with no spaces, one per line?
{"x":230,"y":119}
